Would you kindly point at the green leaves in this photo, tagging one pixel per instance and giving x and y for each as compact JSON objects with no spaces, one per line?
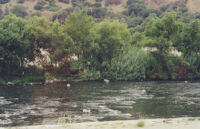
{"x":15,"y":46}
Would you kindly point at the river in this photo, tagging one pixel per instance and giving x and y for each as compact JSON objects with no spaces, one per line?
{"x":97,"y":101}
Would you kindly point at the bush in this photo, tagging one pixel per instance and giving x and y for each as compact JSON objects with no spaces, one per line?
{"x":193,"y":60}
{"x":97,"y":5}
{"x":112,"y":2}
{"x":131,"y":65}
{"x":136,"y":8}
{"x":20,"y":1}
{"x":40,"y":5}
{"x":1,"y":12}
{"x":97,"y":12}
{"x":53,"y":8}
{"x":33,"y":71}
{"x":64,"y":1}
{"x":4,"y":1}
{"x":19,"y":10}
{"x":140,"y":124}
{"x":94,"y":75}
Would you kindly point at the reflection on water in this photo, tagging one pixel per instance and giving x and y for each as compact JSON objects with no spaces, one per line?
{"x":96,"y":101}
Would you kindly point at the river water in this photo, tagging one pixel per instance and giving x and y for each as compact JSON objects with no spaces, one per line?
{"x":97,"y":101}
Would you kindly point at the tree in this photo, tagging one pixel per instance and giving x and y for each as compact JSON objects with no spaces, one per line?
{"x":189,"y":38}
{"x":15,"y":48}
{"x":113,"y":37}
{"x":79,"y":26}
{"x":162,"y":33}
{"x":50,"y":36}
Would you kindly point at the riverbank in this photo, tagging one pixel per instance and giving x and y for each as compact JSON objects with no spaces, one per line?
{"x":38,"y":80}
{"x":175,"y":123}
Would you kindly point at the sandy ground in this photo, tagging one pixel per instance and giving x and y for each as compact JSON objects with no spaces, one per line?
{"x":177,"y":123}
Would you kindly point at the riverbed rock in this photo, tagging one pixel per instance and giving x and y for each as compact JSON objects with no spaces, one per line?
{"x":106,"y":81}
{"x":68,"y":85}
{"x":10,"y":83}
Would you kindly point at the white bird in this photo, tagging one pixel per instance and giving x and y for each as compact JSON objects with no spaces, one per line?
{"x":186,"y":81}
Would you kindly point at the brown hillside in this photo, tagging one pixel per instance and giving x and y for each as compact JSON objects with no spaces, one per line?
{"x":116,"y":6}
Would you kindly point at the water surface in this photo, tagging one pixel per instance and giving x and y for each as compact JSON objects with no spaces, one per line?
{"x":96,"y":101}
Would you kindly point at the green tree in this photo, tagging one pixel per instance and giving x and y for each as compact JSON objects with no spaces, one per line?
{"x":162,"y":33}
{"x":189,"y":38}
{"x":79,"y":26}
{"x":15,"y":48}
{"x":113,"y":38}
{"x":51,"y":37}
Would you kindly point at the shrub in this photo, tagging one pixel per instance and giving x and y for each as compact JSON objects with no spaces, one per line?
{"x":131,"y":65}
{"x":40,"y":5}
{"x":20,"y":1}
{"x":4,"y":1}
{"x":97,"y":12}
{"x":193,"y":60}
{"x":112,"y":2}
{"x":140,"y":124}
{"x":136,"y":8}
{"x":97,"y":5}
{"x":1,"y":12}
{"x":94,"y":75}
{"x":64,"y":1}
{"x":53,"y":8}
{"x":19,"y":10}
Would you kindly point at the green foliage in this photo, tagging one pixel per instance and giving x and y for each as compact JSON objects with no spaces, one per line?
{"x":135,"y":7}
{"x":97,"y":12}
{"x":94,"y":49}
{"x":140,"y":124}
{"x":52,"y":6}
{"x":112,"y":38}
{"x":94,"y":75}
{"x":193,"y":59}
{"x":51,"y":36}
{"x":188,"y":42}
{"x":131,"y":65}
{"x":162,"y":33}
{"x":15,"y":48}
{"x":1,"y":12}
{"x":19,"y":10}
{"x":79,"y":26}
{"x":40,"y":5}
{"x":22,"y":80}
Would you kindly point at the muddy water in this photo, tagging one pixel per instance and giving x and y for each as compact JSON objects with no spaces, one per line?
{"x":96,"y":101}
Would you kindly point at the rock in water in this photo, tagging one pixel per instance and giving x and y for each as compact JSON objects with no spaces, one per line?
{"x":68,"y":85}
{"x":106,"y":80}
{"x":86,"y":111}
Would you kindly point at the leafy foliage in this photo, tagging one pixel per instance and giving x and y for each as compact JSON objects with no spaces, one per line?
{"x":15,"y":48}
{"x":131,"y":65}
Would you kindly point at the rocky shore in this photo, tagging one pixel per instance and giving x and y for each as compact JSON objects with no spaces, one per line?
{"x":175,"y":123}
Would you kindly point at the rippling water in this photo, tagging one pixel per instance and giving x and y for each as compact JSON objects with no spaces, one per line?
{"x":96,"y":101}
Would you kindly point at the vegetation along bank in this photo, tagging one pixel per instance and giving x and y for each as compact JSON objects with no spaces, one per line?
{"x":138,"y":44}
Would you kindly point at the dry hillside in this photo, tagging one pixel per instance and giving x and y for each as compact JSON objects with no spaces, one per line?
{"x":116,"y":6}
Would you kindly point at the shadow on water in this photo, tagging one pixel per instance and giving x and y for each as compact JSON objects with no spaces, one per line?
{"x":96,"y":101}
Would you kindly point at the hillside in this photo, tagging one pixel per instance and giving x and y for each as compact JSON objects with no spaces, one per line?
{"x":49,"y":8}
